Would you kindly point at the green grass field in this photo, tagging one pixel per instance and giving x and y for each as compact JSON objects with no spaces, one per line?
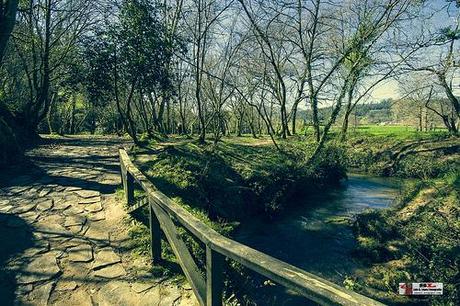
{"x":393,"y":131}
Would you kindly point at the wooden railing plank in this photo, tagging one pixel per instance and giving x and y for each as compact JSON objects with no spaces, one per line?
{"x":155,"y":236}
{"x":214,"y":277}
{"x":188,"y":265}
{"x":138,"y":205}
{"x":307,"y":284}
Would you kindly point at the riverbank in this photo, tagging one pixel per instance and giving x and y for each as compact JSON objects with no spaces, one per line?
{"x":417,"y":238}
{"x":238,"y":177}
{"x":409,"y":155}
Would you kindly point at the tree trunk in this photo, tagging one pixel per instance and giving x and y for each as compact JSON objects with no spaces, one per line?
{"x":452,"y":98}
{"x":334,"y":114}
{"x":72,"y":116}
{"x":315,"y":118}
{"x":7,"y":21}
{"x":420,"y":119}
{"x":294,"y":118}
{"x":48,"y":117}
{"x":42,"y":105}
{"x":345,"y":123}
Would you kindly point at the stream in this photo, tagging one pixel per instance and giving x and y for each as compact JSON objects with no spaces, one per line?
{"x":314,"y":235}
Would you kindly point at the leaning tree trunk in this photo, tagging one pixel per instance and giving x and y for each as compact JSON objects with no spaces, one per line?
{"x":315,"y":118}
{"x":7,"y":21}
{"x":345,"y":124}
{"x":346,"y":117}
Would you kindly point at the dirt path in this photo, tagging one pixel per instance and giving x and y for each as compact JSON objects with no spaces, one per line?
{"x":63,"y":240}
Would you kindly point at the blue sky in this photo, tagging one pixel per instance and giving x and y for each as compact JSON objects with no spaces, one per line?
{"x":445,"y":15}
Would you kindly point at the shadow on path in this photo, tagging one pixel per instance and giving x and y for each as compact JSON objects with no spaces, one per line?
{"x":16,"y":236}
{"x":68,"y":162}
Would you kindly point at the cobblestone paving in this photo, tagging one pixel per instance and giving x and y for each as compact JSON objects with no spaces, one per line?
{"x":63,"y":240}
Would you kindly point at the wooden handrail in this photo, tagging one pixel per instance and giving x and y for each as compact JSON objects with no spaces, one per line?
{"x":209,"y":291}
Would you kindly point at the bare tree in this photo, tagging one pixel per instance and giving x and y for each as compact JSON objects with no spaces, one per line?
{"x":437,"y":57}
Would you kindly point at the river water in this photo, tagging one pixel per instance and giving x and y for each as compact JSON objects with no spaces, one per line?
{"x":314,"y":235}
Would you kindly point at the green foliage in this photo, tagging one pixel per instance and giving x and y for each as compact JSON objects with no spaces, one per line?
{"x":449,"y":33}
{"x":425,"y":166}
{"x":373,"y":232}
{"x":351,"y":284}
{"x":141,"y":45}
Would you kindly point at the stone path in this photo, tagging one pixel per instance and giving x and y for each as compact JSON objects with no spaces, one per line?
{"x":63,"y":240}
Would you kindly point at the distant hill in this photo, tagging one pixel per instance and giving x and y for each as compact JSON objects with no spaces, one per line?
{"x":370,"y":113}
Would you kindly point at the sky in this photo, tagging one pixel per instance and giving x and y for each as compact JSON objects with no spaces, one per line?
{"x":390,"y":89}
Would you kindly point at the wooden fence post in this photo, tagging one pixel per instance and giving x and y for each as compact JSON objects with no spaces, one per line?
{"x":214,"y":277}
{"x":129,"y":188}
{"x":124,"y":173}
{"x":128,"y":182}
{"x":155,"y":236}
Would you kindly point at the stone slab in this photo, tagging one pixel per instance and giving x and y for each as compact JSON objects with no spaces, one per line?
{"x":41,"y":295}
{"x":90,"y":200}
{"x":80,"y":253}
{"x":111,"y":272}
{"x":94,"y":208}
{"x":42,"y":268}
{"x":66,"y":285}
{"x":87,"y":193}
{"x":45,"y":205}
{"x":105,"y":257}
{"x":74,"y":220}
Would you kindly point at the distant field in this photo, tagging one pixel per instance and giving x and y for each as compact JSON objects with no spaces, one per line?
{"x":394,"y":131}
{"x":384,"y":129}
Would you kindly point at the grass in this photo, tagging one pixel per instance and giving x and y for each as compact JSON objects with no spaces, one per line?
{"x":403,"y":153}
{"x":239,"y":174}
{"x":393,"y":131}
{"x":416,"y":240}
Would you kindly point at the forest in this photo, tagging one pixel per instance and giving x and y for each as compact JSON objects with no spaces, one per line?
{"x":243,"y":110}
{"x":215,"y":68}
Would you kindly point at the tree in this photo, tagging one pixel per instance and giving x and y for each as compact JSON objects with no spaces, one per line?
{"x":206,"y":14}
{"x":438,"y":59}
{"x":44,"y":40}
{"x":8,"y":9}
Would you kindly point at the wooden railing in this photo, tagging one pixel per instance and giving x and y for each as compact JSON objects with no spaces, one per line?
{"x":209,"y":290}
